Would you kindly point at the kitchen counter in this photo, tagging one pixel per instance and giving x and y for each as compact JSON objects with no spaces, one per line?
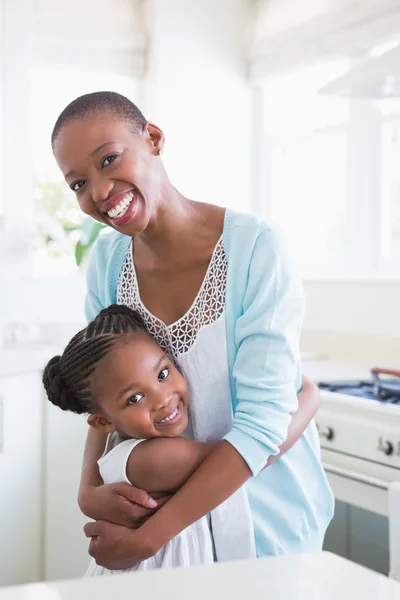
{"x":322,"y":576}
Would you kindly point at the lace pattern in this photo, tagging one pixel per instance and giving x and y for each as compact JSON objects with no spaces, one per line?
{"x":208,"y":306}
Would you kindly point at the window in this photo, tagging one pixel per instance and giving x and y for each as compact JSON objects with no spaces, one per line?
{"x":59,"y":219}
{"x":332,"y":176}
{"x":390,"y":181}
{"x":307,"y":139}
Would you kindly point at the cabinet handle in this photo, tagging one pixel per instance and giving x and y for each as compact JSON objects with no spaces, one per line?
{"x":354,"y":476}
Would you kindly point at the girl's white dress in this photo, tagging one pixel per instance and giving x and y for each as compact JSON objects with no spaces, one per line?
{"x":197,"y":345}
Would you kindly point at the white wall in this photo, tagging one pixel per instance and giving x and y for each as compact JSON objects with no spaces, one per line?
{"x":363,"y":308}
{"x":197,"y":92}
{"x":357,"y":322}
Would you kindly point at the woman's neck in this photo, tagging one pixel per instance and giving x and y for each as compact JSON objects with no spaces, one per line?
{"x":179,"y":223}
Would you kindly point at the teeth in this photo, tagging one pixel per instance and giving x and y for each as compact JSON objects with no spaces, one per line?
{"x":172,"y":416}
{"x":122,"y":206}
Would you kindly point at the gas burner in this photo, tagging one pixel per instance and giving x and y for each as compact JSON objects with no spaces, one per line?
{"x":383,"y":390}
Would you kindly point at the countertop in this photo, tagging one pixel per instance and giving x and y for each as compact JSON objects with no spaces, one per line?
{"x":322,"y":576}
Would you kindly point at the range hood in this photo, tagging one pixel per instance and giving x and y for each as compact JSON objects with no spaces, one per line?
{"x":375,"y":78}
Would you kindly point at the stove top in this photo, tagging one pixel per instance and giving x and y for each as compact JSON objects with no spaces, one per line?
{"x":387,"y":390}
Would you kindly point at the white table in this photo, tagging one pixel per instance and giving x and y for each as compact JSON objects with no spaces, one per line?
{"x":321,"y":576}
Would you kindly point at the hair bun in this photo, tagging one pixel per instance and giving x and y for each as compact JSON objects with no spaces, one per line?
{"x":55,"y":387}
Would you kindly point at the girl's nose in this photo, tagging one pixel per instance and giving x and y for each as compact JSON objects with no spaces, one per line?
{"x":161,"y":399}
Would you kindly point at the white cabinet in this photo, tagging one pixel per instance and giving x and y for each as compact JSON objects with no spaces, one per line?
{"x":21,"y":414}
{"x":65,"y":545}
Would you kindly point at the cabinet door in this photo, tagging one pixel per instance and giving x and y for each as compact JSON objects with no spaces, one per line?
{"x":66,"y":547}
{"x":21,"y":412}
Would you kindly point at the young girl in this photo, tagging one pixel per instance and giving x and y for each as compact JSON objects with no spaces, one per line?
{"x":114,"y":370}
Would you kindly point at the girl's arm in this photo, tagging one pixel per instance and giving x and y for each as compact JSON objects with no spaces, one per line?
{"x":117,"y":502}
{"x":164,"y":465}
{"x":309,"y":402}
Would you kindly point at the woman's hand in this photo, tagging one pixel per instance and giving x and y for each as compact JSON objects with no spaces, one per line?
{"x":115,"y":547}
{"x":119,"y":503}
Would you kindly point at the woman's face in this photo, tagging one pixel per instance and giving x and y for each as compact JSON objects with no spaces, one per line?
{"x":116,"y":174}
{"x":139,"y":392}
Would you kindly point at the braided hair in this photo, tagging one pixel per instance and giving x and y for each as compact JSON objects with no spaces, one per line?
{"x":66,"y":377}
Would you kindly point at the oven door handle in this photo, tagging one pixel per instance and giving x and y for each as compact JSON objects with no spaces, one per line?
{"x":354,"y":476}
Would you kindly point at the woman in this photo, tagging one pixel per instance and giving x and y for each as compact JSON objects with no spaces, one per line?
{"x":218,"y":292}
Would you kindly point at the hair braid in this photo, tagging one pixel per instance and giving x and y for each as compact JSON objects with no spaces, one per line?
{"x":66,"y":378}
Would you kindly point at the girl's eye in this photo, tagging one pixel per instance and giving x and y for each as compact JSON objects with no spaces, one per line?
{"x":109,"y":159}
{"x":134,"y":399}
{"x":77,"y":185}
{"x":163,"y":374}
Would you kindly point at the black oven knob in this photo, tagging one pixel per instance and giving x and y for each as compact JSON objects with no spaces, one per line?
{"x":385,"y":446}
{"x":327,"y":433}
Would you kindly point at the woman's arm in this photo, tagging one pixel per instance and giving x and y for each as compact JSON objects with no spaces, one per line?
{"x":309,"y":402}
{"x":164,"y":465}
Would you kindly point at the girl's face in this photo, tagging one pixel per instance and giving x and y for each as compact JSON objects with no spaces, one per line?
{"x":113,"y":171}
{"x":139,"y":391}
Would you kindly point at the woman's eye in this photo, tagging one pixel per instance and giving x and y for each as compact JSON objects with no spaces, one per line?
{"x":134,"y":399}
{"x":77,"y":185}
{"x":163,"y":374}
{"x":109,"y":159}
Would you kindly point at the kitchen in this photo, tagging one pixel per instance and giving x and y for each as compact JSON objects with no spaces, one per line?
{"x":316,"y":151}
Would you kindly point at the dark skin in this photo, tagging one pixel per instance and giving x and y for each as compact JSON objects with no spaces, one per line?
{"x":105,"y":163}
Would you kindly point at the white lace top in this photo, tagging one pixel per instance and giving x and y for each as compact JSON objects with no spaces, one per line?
{"x":196,"y":343}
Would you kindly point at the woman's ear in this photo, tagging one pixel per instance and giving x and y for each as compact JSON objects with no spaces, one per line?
{"x":156,"y":138}
{"x":101,"y":423}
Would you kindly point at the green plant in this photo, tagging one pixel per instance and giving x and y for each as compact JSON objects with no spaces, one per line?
{"x":62,"y":229}
{"x":90,"y":230}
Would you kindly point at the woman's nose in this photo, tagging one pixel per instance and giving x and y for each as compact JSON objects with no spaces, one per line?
{"x":101,"y":188}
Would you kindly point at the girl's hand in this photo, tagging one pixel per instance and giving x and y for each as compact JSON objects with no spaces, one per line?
{"x":115,"y":547}
{"x":119,"y":503}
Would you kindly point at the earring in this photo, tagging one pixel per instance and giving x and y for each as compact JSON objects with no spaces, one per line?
{"x":159,"y":152}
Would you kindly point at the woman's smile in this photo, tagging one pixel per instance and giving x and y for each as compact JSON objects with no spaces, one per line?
{"x":121,"y":208}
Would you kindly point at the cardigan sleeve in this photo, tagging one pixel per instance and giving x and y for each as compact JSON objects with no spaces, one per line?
{"x":266,"y":371}
{"x":93,"y":304}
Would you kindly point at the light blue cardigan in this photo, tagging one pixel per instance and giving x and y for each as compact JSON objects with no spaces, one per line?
{"x":291,"y":501}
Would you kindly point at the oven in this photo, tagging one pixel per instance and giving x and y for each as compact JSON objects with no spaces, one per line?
{"x":359,"y":429}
